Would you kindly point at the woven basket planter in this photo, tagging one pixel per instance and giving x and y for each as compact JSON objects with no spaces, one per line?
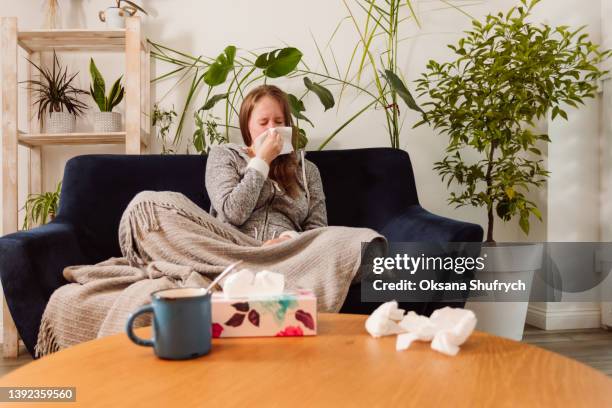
{"x":61,"y":122}
{"x":107,"y":122}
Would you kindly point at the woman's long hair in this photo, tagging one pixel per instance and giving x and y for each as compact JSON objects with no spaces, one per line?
{"x":283,"y":169}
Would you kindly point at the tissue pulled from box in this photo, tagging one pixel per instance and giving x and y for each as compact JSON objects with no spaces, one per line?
{"x":446,"y":328}
{"x":245,"y":283}
{"x":384,"y":320}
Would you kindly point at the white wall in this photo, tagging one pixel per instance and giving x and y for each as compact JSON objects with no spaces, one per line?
{"x":574,"y":188}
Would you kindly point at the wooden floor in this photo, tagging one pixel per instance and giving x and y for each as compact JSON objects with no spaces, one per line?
{"x":9,"y":364}
{"x":589,"y":346}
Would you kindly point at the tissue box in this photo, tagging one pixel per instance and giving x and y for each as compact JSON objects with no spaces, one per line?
{"x":292,"y":313}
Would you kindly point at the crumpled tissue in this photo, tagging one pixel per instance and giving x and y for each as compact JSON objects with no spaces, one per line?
{"x":246,"y":283}
{"x":446,"y":328}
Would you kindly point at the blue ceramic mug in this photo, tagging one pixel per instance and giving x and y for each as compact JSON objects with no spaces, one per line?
{"x":181,"y":323}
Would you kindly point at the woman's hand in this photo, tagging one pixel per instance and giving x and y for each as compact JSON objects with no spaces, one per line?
{"x":271,"y":147}
{"x":276,"y":241}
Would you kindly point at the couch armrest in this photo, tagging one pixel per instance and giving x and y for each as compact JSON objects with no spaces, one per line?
{"x":418,"y":224}
{"x":31,"y":265}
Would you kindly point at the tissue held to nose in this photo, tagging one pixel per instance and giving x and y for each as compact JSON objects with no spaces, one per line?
{"x":246,"y":283}
{"x":447,"y":328}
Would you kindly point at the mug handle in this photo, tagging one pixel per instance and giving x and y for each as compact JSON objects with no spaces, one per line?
{"x":129,"y":327}
{"x":102,"y":16}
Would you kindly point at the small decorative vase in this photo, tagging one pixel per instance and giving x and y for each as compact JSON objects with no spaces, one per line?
{"x":61,"y":122}
{"x":114,"y":17}
{"x":107,"y":122}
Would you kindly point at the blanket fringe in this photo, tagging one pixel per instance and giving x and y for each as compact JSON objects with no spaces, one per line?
{"x":142,"y":215}
{"x":46,"y":343}
{"x":145,"y":211}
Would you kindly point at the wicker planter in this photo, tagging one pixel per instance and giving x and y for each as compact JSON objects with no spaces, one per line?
{"x":61,"y":122}
{"x":107,"y":122}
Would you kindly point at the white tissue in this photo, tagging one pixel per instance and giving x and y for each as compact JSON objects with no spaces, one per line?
{"x":286,"y":133}
{"x":246,"y":283}
{"x":383,"y":321}
{"x":454,"y":328}
{"x":447,"y":328}
{"x":269,"y":283}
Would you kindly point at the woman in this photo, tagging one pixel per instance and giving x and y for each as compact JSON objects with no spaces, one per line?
{"x":268,"y":196}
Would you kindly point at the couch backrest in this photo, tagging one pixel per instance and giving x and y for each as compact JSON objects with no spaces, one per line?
{"x":363,"y":188}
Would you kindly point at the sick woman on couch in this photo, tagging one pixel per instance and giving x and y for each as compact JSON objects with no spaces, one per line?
{"x":267,"y":210}
{"x":269,"y":196}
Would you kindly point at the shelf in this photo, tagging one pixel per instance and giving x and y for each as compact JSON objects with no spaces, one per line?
{"x":130,"y":43}
{"x":72,"y":40}
{"x":45,"y":139}
{"x":81,"y":138}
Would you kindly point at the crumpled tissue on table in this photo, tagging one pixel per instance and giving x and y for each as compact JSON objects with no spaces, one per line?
{"x":246,"y":283}
{"x":446,"y":328}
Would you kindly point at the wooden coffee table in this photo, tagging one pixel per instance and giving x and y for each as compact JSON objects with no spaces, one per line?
{"x":341,"y":366}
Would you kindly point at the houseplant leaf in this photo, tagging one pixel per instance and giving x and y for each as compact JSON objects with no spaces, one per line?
{"x":116,"y":94}
{"x":398,"y":86}
{"x":217,"y":71}
{"x":210,"y":103}
{"x":297,"y":107}
{"x":325,"y":96}
{"x":98,"y":89}
{"x":279,"y":62}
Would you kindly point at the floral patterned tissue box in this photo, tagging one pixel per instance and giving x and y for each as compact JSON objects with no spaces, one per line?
{"x":293,"y":313}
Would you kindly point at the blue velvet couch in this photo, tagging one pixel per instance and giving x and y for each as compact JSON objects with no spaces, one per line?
{"x":372,"y":187}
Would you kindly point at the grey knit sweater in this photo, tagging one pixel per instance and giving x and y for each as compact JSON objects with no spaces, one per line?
{"x":241,"y":194}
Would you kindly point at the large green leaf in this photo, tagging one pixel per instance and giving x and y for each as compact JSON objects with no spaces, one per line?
{"x":325,"y":96}
{"x":297,"y":107}
{"x":279,"y":62}
{"x":98,"y":89}
{"x":217,"y":71}
{"x":211,"y":102}
{"x":398,"y":86}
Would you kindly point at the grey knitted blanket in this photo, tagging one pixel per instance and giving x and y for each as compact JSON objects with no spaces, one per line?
{"x":168,"y":241}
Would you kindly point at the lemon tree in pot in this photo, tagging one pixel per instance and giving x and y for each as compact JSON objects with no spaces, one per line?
{"x":508,"y":73}
{"x":106,"y":120}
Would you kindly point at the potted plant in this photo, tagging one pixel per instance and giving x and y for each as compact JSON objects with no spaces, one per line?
{"x":40,"y":207}
{"x":114,"y":16}
{"x":55,"y":93}
{"x":507,"y":74}
{"x":106,"y":120}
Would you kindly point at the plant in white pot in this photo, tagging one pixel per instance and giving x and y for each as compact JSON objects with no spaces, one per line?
{"x":508,"y":73}
{"x":106,"y":120}
{"x":55,"y":93}
{"x":114,"y":16}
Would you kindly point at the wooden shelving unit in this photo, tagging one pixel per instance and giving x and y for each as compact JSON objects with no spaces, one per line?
{"x":137,"y":106}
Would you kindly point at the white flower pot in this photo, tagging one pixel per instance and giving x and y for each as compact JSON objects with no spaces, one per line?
{"x":106,"y":122}
{"x":114,"y":17}
{"x":61,"y":122}
{"x":506,"y":263}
